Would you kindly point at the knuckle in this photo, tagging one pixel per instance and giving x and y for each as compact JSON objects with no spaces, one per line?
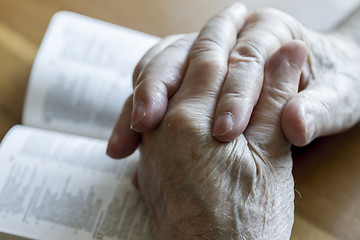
{"x":151,"y":75}
{"x":212,"y":66}
{"x":275,"y":22}
{"x":247,"y":51}
{"x":236,"y":96}
{"x":180,"y":45}
{"x":220,"y":19}
{"x":149,"y":89}
{"x":187,"y":119}
{"x":210,"y":40}
{"x":237,"y":99}
{"x":151,"y":54}
{"x":265,"y":14}
{"x":203,"y":46}
{"x":208,"y":60}
{"x":177,"y":121}
{"x":173,"y":117}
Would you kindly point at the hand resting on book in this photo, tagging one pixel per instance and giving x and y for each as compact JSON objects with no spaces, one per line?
{"x":199,"y":188}
{"x":327,"y":102}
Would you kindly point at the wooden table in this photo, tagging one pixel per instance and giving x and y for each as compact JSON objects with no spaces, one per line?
{"x":327,"y":173}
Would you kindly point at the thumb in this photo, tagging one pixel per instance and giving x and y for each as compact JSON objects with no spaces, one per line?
{"x":321,"y":110}
{"x":281,"y":82}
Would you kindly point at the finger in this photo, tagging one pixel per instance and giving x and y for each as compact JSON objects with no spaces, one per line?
{"x":159,"y":81}
{"x":208,"y":57}
{"x":158,"y":48}
{"x":321,"y":110}
{"x":123,"y":140}
{"x":281,"y":82}
{"x":264,"y":32}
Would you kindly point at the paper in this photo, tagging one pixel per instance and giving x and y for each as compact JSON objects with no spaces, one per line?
{"x":82,"y":75}
{"x":59,"y":186}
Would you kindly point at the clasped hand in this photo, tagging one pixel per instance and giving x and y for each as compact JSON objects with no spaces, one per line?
{"x":224,"y":103}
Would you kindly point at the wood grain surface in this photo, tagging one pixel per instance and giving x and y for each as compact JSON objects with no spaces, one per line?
{"x":327,"y":173}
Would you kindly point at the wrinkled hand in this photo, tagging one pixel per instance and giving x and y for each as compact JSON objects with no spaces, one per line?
{"x":199,"y":188}
{"x":195,"y":186}
{"x":328,"y":103}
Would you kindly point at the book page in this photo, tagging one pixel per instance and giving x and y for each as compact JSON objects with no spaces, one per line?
{"x":82,"y":75}
{"x":59,"y":186}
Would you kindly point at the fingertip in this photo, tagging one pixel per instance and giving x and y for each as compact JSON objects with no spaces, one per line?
{"x":150,"y":103}
{"x":297,"y":53}
{"x":226,"y":128}
{"x":146,"y":117}
{"x":112,"y":145}
{"x":274,"y":108}
{"x":294,"y":53}
{"x":122,"y":143}
{"x":223,"y":126}
{"x":297,"y":125}
{"x":123,"y":140}
{"x":159,"y":80}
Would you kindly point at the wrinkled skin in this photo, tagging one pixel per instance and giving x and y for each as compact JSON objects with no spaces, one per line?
{"x":199,"y":188}
{"x":328,"y":101}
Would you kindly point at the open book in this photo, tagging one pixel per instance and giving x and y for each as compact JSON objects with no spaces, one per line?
{"x":56,"y":181}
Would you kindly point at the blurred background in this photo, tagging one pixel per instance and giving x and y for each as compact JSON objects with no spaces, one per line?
{"x":328,"y":207}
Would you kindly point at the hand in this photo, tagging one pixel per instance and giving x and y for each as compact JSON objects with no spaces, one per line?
{"x":328,"y":102}
{"x":159,"y":75}
{"x":199,"y":188}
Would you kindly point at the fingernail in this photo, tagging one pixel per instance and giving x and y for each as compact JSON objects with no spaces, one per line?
{"x":138,"y":114}
{"x":298,"y":57}
{"x":223,"y":124}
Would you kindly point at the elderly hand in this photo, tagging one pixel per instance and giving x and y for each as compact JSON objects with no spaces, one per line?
{"x":195,"y":186}
{"x":199,"y":188}
{"x":328,"y":101}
